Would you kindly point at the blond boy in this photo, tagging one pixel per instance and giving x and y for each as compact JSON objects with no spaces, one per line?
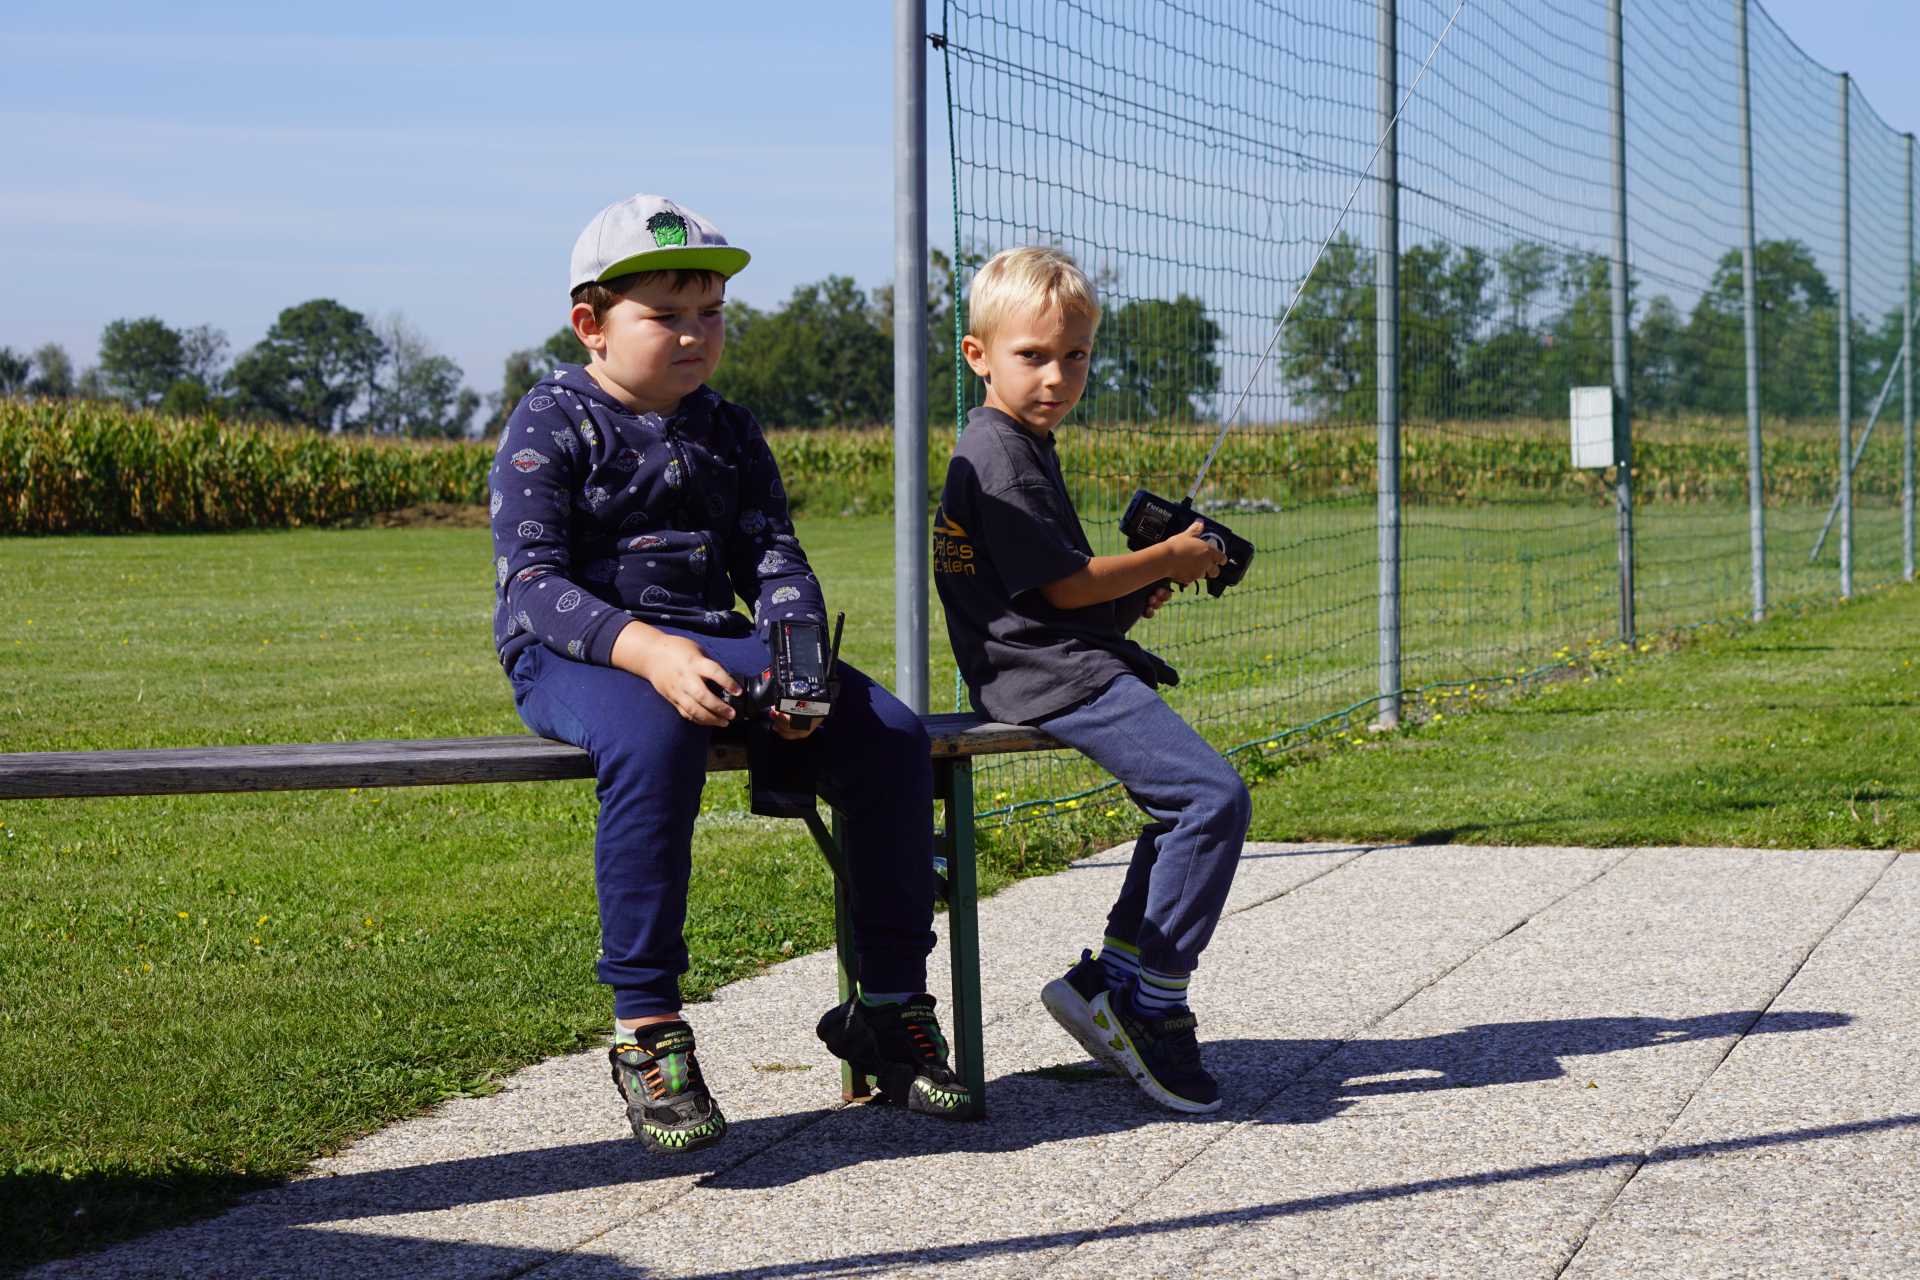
{"x":1038,"y":624}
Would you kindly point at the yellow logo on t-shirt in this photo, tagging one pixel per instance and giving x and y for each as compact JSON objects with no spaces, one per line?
{"x":952,"y":553}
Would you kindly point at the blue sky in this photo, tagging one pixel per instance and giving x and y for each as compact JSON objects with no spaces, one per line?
{"x":213,"y":163}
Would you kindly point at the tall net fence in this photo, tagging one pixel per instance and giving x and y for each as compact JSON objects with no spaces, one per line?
{"x":1194,"y":159}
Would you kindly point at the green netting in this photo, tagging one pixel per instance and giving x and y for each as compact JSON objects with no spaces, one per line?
{"x":1193,"y":158}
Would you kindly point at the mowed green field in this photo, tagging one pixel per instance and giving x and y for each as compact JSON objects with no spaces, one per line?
{"x":201,"y":993}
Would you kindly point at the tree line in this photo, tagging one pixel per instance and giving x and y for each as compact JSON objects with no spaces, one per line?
{"x":1483,"y":335}
{"x":322,"y":365}
{"x":1490,"y":336}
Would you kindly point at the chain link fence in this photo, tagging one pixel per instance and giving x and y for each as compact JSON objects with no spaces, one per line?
{"x":1672,"y":201}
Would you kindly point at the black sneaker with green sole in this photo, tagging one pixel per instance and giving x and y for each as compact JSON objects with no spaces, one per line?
{"x":901,"y":1047}
{"x":1161,"y":1054}
{"x":667,"y":1099}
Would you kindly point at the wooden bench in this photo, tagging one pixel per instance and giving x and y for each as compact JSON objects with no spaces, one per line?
{"x":957,"y":739}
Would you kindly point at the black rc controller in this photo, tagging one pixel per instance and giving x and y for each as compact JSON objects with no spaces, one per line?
{"x":798,"y":682}
{"x":1151,"y":519}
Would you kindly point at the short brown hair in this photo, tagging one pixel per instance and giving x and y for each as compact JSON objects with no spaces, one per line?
{"x":602,"y":294}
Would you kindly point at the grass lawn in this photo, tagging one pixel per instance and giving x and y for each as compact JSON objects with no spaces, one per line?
{"x":199,"y":994}
{"x":1801,"y":733}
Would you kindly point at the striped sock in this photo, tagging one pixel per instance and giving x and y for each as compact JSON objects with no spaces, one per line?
{"x":1159,"y":995}
{"x":871,"y":998}
{"x":1121,"y":960}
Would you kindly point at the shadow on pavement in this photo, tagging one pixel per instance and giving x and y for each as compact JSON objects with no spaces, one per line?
{"x":1506,"y":1053}
{"x":1288,"y":1080}
{"x":887,"y":1262}
{"x":1276,"y":1081}
{"x":97,"y":1212}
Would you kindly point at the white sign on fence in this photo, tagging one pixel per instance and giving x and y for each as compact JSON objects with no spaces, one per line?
{"x":1593,"y":426}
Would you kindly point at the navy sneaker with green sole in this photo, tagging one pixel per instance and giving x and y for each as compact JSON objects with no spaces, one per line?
{"x":1161,"y":1054}
{"x":666,"y":1096}
{"x":900,"y":1046}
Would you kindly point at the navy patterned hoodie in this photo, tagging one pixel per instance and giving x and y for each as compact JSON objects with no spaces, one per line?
{"x":601,"y":515}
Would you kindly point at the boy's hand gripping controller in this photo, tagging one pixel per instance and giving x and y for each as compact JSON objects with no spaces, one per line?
{"x":1152,"y":519}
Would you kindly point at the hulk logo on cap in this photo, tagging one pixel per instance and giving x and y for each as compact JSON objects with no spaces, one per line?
{"x":668,"y":229}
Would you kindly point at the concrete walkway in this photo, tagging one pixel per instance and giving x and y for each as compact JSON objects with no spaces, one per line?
{"x":1443,"y":1061}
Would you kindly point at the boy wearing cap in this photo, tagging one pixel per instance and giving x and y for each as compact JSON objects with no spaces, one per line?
{"x":630,"y":505}
{"x":1038,"y":625}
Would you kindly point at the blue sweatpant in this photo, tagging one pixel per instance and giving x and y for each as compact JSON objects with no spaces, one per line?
{"x":872,"y":763}
{"x":1184,"y":861}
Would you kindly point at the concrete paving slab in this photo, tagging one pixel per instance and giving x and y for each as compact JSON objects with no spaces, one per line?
{"x":1801,"y":1156}
{"x":1405,"y":1038}
{"x":1058,"y":1160}
{"x":1483,"y":1127}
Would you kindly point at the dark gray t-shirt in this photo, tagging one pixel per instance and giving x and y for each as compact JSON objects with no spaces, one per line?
{"x":1005,"y":528}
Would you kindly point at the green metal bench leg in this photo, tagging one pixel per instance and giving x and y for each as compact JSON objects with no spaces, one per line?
{"x":853,"y":1085}
{"x":955,"y":781}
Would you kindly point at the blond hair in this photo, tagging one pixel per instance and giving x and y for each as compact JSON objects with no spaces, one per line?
{"x":1028,"y":279}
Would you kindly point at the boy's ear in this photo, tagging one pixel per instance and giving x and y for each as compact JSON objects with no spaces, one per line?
{"x":976,"y":353}
{"x":587,"y":329}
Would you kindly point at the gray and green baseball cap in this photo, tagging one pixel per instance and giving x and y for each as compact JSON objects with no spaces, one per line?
{"x":650,"y":233}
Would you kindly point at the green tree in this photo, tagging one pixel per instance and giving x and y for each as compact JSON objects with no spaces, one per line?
{"x":140,"y":359}
{"x":1446,"y":301}
{"x":526,"y":367}
{"x":52,"y":372}
{"x":1327,"y":350}
{"x":14,"y":368}
{"x":1664,"y":370}
{"x":203,"y":356}
{"x":764,"y":368}
{"x":823,"y":358}
{"x":317,"y":364}
{"x":1579,"y":339}
{"x":1446,"y":307}
{"x":1796,"y":310}
{"x":1154,"y":359}
{"x":1526,"y":272}
{"x":189,"y":398}
{"x":419,"y":392}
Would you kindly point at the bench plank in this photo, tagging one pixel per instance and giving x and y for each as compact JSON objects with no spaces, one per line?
{"x":45,"y":775}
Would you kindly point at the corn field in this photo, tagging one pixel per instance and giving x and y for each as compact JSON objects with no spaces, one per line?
{"x":74,"y":467}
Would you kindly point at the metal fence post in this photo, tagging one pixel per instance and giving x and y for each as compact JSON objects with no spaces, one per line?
{"x":1386,"y":293}
{"x":1846,"y":339}
{"x":1622,"y":367}
{"x":1756,"y":473}
{"x":910,"y":531}
{"x":1906,"y":391}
